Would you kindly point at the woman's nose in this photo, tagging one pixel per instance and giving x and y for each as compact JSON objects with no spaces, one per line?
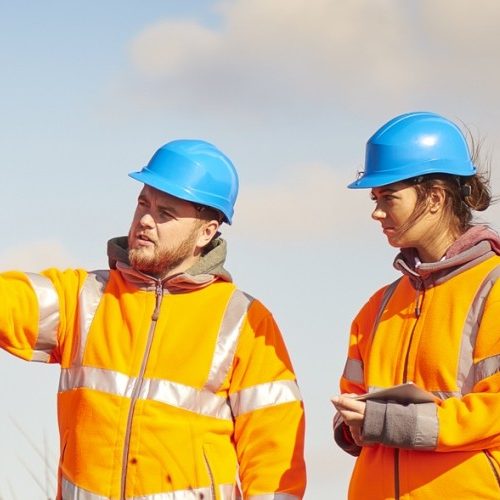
{"x":378,"y":213}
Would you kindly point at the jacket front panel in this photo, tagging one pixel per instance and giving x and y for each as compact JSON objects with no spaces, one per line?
{"x":445,"y":339}
{"x":174,"y":394}
{"x":154,"y":356}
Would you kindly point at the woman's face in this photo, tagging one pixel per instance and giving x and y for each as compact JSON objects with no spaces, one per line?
{"x":395,"y":205}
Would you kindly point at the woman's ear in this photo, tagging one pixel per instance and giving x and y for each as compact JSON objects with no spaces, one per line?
{"x":437,"y":198}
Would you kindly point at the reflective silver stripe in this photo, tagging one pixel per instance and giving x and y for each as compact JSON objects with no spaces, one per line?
{"x":227,"y":339}
{"x":486,"y":368}
{"x":446,"y":394}
{"x":353,"y":370}
{"x":188,"y":398}
{"x":228,"y":491}
{"x":97,"y":379}
{"x":171,"y":393}
{"x":465,"y":373}
{"x":90,"y":296}
{"x":383,"y":303}
{"x":48,"y":321}
{"x":263,"y":395}
{"x":72,"y":492}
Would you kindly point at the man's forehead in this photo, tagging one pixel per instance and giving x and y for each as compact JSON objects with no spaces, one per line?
{"x":161,"y":197}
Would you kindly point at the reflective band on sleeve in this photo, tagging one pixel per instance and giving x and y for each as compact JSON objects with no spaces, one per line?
{"x":465,"y":374}
{"x":486,"y":368}
{"x":353,"y":371}
{"x":72,"y":492}
{"x":227,"y":339}
{"x":90,"y":296}
{"x":171,"y":393}
{"x":48,"y":322}
{"x":264,"y":395}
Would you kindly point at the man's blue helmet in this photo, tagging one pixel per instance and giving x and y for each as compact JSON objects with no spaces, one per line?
{"x":414,"y":144}
{"x":194,"y":171}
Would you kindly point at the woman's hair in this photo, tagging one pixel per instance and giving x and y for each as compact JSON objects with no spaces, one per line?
{"x":463,"y":195}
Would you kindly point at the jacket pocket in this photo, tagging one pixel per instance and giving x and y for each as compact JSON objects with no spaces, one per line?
{"x":494,"y":466}
{"x":210,"y":472}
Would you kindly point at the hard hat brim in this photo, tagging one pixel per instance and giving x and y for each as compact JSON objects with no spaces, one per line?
{"x":150,"y":179}
{"x":379,"y":179}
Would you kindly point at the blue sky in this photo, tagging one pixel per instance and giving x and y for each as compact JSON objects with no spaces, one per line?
{"x":290,"y":90}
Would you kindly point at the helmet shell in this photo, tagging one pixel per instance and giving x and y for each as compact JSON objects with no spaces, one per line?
{"x":195,"y":171}
{"x":414,"y":144}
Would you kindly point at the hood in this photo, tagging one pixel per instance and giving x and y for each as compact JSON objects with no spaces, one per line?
{"x":476,"y":245}
{"x":209,"y":268}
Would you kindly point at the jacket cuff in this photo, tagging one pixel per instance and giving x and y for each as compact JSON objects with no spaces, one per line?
{"x":413,"y":426}
{"x":373,"y":425}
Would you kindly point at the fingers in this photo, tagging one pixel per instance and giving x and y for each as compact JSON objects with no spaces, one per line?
{"x":347,"y":403}
{"x":350,"y":410}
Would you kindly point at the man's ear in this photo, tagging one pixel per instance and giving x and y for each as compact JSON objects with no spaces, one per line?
{"x":208,"y":230}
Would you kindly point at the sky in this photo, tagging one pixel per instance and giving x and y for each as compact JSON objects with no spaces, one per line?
{"x":290,"y":90}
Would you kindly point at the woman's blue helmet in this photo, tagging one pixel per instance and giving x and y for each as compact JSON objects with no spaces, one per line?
{"x":414,"y":144}
{"x":194,"y":171}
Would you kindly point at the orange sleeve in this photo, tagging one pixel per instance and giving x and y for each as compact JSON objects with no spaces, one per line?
{"x":269,"y":420}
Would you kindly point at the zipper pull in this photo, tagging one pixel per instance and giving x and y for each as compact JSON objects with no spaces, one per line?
{"x":418,"y":308}
{"x":159,"y":294}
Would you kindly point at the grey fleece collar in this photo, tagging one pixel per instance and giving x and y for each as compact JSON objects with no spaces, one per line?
{"x":474,"y":246}
{"x":207,"y":269}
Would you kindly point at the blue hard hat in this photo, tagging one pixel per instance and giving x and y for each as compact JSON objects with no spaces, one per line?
{"x":194,"y":171}
{"x":414,"y":144}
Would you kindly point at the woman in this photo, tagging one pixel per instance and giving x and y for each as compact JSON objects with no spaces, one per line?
{"x":438,"y":326}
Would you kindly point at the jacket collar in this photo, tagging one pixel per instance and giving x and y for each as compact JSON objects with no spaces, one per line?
{"x":476,"y":245}
{"x":208,"y":269}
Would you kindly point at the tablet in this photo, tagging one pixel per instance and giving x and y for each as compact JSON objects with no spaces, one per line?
{"x":402,"y":393}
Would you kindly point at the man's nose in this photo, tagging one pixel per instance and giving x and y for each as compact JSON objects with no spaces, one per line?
{"x":147,"y":220}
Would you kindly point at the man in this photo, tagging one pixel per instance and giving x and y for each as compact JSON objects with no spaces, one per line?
{"x":174,"y":384}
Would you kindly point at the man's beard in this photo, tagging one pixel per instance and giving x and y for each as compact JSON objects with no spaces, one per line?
{"x":164,"y":258}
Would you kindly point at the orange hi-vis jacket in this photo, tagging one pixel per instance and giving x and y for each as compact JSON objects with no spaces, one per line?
{"x":168,"y":391}
{"x":439,"y":327}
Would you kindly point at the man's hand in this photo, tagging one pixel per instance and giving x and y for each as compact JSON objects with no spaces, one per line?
{"x":352,"y":413}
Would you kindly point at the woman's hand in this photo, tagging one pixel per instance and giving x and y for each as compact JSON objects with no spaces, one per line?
{"x":352,"y":413}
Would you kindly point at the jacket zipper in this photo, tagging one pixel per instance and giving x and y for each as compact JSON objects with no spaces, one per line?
{"x":210,"y":475}
{"x":418,"y":308}
{"x":492,"y":465}
{"x":137,"y":387}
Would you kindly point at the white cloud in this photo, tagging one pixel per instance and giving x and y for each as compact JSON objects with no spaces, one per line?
{"x":168,"y":47}
{"x":269,"y":51}
{"x":360,"y":55}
